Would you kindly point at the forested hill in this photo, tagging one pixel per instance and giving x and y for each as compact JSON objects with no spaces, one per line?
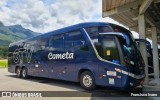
{"x":14,"y":33}
{"x":10,"y":34}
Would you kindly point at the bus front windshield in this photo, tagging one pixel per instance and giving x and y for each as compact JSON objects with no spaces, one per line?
{"x":132,"y":55}
{"x":119,"y":49}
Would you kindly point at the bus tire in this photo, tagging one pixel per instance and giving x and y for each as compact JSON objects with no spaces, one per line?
{"x":24,"y":73}
{"x":18,"y":72}
{"x":87,"y":80}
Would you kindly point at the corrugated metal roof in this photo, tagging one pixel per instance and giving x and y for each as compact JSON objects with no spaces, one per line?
{"x":154,"y":12}
{"x":112,"y":4}
{"x":126,"y":19}
{"x":129,"y":17}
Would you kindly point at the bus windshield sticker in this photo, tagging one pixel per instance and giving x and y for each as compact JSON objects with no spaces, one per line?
{"x":108,"y":52}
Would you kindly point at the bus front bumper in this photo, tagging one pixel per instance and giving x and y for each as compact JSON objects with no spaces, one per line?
{"x":134,"y":81}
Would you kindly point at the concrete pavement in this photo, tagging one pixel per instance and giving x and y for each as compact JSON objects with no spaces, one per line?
{"x":9,"y":82}
{"x":154,"y":85}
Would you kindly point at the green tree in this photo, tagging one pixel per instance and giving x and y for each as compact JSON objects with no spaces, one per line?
{"x":3,"y":52}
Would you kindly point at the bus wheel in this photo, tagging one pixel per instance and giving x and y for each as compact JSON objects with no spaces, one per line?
{"x":87,"y":80}
{"x":24,"y":73}
{"x":18,"y":72}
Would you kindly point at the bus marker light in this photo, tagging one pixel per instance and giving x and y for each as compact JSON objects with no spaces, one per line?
{"x":115,"y":76}
{"x":127,"y":61}
{"x":142,"y":82}
{"x":36,"y":65}
{"x":104,"y":75}
{"x":100,"y":76}
{"x":119,"y":76}
{"x":131,"y":83}
{"x":63,"y":71}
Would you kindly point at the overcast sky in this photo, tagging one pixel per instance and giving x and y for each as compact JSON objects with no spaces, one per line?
{"x":47,"y":15}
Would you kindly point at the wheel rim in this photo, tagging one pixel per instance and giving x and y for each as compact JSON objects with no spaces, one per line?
{"x":18,"y":72}
{"x":24,"y":73}
{"x":87,"y":80}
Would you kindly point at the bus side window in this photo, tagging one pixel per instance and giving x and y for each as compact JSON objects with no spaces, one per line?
{"x":75,"y":40}
{"x":94,"y":31}
{"x":56,"y":41}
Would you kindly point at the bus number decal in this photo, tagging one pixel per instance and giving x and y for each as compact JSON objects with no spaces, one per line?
{"x":18,"y":55}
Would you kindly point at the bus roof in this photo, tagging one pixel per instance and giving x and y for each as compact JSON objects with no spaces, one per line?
{"x":68,"y":28}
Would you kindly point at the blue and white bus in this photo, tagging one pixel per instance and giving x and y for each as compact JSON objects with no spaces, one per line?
{"x":94,"y":54}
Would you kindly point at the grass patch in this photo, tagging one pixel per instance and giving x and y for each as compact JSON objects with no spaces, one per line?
{"x":3,"y":63}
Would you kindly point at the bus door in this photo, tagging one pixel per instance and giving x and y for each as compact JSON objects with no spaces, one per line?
{"x":111,"y":51}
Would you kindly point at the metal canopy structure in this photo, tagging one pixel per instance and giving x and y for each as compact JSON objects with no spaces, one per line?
{"x":142,"y":16}
{"x":127,"y":11}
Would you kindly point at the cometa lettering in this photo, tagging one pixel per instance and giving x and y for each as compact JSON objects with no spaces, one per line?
{"x":60,"y":56}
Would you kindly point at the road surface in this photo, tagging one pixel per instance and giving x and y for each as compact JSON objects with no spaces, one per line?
{"x":9,"y":82}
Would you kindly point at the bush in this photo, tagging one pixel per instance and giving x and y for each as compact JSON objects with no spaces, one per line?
{"x":3,"y":52}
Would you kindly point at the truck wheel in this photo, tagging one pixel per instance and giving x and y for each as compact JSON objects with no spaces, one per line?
{"x":87,"y":80}
{"x":24,"y":73}
{"x":18,"y":72}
